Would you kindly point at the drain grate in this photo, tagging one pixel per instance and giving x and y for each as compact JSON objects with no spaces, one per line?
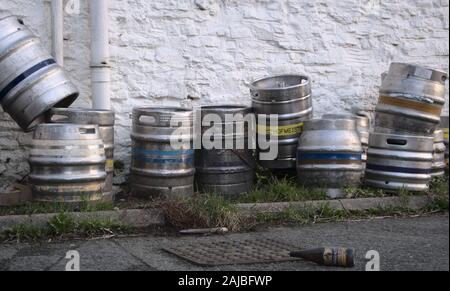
{"x":229,"y":252}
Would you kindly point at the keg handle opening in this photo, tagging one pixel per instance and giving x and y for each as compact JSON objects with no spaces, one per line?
{"x":59,"y":118}
{"x":148,"y":118}
{"x":84,"y":130}
{"x":395,"y":141}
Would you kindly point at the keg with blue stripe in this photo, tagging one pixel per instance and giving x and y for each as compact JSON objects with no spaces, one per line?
{"x":30,"y":80}
{"x":162,"y":158}
{"x":411,"y":100}
{"x":329,"y":154}
{"x":288,"y":97}
{"x":397,"y":162}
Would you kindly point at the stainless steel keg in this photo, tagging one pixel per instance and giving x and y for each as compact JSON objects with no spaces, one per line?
{"x":30,"y":81}
{"x":444,"y":127}
{"x":105,"y":121}
{"x":329,"y":154}
{"x":438,"y":167}
{"x":289,"y":98}
{"x":67,"y":163}
{"x":162,"y":161}
{"x":411,"y":100}
{"x":397,"y":162}
{"x":227,"y":167}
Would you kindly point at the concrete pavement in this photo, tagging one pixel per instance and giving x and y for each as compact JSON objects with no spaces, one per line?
{"x":403,"y":244}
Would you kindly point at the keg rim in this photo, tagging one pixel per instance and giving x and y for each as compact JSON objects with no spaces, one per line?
{"x":81,"y":109}
{"x":225,"y":107}
{"x":301,"y":84}
{"x":173,"y":109}
{"x":420,"y":66}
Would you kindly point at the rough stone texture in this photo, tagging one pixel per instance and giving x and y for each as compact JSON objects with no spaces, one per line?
{"x":163,"y":51}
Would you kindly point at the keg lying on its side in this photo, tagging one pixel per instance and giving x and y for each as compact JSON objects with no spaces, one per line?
{"x":329,"y":154}
{"x":444,"y":127}
{"x":158,"y":166}
{"x":105,"y":121}
{"x":226,"y":170}
{"x":411,"y":100}
{"x":67,"y":163}
{"x":438,"y":168}
{"x":30,"y":81}
{"x":397,"y":162}
{"x":289,"y":98}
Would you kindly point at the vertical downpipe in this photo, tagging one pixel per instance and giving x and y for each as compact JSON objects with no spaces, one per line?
{"x":57,"y":31}
{"x":100,"y":67}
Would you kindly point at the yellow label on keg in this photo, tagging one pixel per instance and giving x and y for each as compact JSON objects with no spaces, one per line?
{"x":445,"y":133}
{"x":411,"y":104}
{"x":283,"y":130}
{"x":109,"y":164}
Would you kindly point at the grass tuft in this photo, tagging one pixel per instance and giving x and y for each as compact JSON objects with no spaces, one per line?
{"x":63,"y":225}
{"x":203,"y":211}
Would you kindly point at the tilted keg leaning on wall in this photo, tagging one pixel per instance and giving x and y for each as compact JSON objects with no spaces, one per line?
{"x":438,"y":167}
{"x":30,"y":80}
{"x":397,"y":162}
{"x":444,"y":127}
{"x":288,"y":97}
{"x":105,"y":121}
{"x":411,"y":100}
{"x":162,"y":158}
{"x":220,"y":168}
{"x":67,"y":163}
{"x":329,"y":154}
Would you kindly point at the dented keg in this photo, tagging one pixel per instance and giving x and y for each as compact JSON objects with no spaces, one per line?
{"x":444,"y":127}
{"x":30,"y":81}
{"x":329,"y":154}
{"x":397,"y":162}
{"x":411,"y":100}
{"x":162,"y":158}
{"x":67,"y":163}
{"x":289,"y":98}
{"x":226,"y":167}
{"x":105,"y":121}
{"x":438,"y":168}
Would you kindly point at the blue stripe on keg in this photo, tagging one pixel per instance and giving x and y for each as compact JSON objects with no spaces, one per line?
{"x":397,"y":169}
{"x":188,"y":161}
{"x":145,"y":152}
{"x":25,"y":75}
{"x":328,"y":156}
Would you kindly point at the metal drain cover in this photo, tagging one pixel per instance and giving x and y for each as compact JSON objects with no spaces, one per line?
{"x":229,"y":252}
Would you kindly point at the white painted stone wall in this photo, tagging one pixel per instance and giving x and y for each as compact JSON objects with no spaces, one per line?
{"x":166,"y":50}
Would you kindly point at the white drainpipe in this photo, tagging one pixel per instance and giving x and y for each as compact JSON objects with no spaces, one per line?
{"x":57,"y":31}
{"x":100,"y":67}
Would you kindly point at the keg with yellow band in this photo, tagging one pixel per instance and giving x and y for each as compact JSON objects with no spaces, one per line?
{"x":282,"y":130}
